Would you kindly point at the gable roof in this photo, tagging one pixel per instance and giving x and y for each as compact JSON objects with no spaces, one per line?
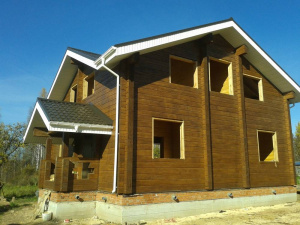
{"x":62,"y":116}
{"x":228,"y":29}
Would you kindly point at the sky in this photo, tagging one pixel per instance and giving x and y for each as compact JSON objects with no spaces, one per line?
{"x":34,"y":36}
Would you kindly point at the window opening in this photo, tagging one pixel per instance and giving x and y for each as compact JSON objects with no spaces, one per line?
{"x":220,"y":74}
{"x":73,"y":94}
{"x":168,"y":139}
{"x":183,"y":71}
{"x":252,"y":87}
{"x":86,"y":170}
{"x":267,"y":146}
{"x":88,"y":86}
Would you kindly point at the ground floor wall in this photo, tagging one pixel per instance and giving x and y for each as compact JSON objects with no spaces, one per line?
{"x":152,"y":206}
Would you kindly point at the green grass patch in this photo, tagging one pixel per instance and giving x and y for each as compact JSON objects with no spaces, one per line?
{"x":298,"y":179}
{"x":19,"y":191}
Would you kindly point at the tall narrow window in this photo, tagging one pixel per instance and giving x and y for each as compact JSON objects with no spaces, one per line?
{"x":220,"y":74}
{"x":168,"y":139}
{"x":253,"y":87}
{"x":183,"y":71}
{"x":88,"y":86}
{"x":73,"y":94}
{"x":267,"y":146}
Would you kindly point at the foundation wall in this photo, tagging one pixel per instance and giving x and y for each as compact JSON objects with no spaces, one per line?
{"x":153,"y":206}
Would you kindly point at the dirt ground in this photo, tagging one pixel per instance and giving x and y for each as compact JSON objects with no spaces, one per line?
{"x":288,"y":213}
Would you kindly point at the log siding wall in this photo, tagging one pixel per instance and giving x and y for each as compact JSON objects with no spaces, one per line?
{"x":211,"y":121}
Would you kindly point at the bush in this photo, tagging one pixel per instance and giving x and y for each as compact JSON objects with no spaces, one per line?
{"x":19,"y":191}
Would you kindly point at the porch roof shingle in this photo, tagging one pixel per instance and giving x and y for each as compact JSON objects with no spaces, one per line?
{"x":70,"y":112}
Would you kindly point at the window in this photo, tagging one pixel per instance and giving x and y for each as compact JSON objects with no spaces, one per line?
{"x":183,"y":72}
{"x":73,"y":94}
{"x":168,"y":139}
{"x":253,"y":87}
{"x":220,"y":74}
{"x":267,"y":146}
{"x":88,"y":85}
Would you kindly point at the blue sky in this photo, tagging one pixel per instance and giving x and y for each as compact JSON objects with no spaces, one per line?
{"x":35,"y":34}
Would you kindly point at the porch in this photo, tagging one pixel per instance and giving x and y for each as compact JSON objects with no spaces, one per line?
{"x":75,"y":136}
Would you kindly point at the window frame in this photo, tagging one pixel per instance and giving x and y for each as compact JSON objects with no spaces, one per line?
{"x":275,"y":146}
{"x":181,"y":132}
{"x":73,"y":97}
{"x":85,"y":85}
{"x":195,"y":75}
{"x":260,"y":87}
{"x":230,"y":74}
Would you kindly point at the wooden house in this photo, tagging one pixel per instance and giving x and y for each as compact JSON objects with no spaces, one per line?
{"x":178,"y":124}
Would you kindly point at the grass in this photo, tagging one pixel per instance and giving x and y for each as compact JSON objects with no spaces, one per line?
{"x":19,"y":191}
{"x":298,"y":179}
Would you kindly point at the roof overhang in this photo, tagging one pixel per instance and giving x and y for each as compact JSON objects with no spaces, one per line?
{"x":66,"y":73}
{"x":229,"y":29}
{"x":39,"y":119}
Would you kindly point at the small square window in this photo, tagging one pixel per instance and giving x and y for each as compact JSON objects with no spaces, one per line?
{"x":73,"y":94}
{"x":253,"y":87}
{"x":183,"y":72}
{"x":168,"y":139}
{"x":220,"y":74}
{"x":88,"y":86}
{"x":267,"y":146}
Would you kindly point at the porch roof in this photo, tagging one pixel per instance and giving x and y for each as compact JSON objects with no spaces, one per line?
{"x":60,"y":116}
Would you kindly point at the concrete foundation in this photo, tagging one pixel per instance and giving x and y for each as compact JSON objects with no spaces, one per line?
{"x":135,"y":213}
{"x":153,"y":206}
{"x":72,"y":210}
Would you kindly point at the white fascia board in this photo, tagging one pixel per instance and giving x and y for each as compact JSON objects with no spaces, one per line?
{"x":80,"y":128}
{"x":171,"y":38}
{"x":263,"y":54}
{"x":30,"y":122}
{"x":109,"y":54}
{"x":75,"y":56}
{"x":113,"y":51}
{"x":57,"y":74}
{"x":38,"y":109}
{"x":42,"y":114}
{"x":91,"y":126}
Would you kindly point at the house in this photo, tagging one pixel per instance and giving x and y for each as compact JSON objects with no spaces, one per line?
{"x":173,"y":125}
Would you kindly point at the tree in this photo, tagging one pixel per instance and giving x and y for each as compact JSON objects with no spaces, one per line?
{"x":11,"y":140}
{"x":296,"y":142}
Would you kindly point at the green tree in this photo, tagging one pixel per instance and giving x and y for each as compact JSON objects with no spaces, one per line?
{"x":296,"y":142}
{"x":11,"y":140}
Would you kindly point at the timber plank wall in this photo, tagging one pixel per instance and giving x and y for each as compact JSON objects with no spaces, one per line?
{"x":153,"y":96}
{"x":268,"y":115}
{"x":104,"y":98}
{"x":156,"y":97}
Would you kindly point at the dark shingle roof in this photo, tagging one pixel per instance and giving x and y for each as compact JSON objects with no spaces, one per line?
{"x":71,"y":112}
{"x":86,"y":54}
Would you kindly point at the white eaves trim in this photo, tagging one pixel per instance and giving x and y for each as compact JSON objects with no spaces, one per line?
{"x":75,"y":56}
{"x":67,"y":126}
{"x":269,"y":60}
{"x":30,"y":122}
{"x":113,"y":51}
{"x":73,"y":127}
